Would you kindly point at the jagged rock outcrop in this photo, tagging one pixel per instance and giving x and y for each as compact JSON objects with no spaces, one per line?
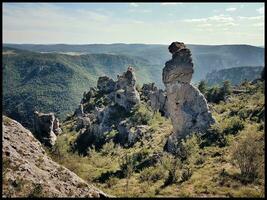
{"x":105,"y":84}
{"x":29,"y":172}
{"x":126,"y":94}
{"x":46,"y":128}
{"x":187,"y":106}
{"x":105,"y":107}
{"x":156,"y":98}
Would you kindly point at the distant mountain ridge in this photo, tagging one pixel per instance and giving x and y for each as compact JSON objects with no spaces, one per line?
{"x":235,"y":75}
{"x":206,"y":57}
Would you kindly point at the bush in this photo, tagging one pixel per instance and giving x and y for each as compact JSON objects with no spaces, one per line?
{"x":172,"y":165}
{"x":202,"y":86}
{"x":248,"y":154}
{"x":141,"y":114}
{"x":152,"y":174}
{"x":233,"y":125}
{"x":186,"y":174}
{"x":216,"y":94}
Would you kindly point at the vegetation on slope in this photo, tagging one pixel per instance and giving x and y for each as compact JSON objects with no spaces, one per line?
{"x":228,"y":161}
{"x":56,"y":82}
{"x":235,"y":75}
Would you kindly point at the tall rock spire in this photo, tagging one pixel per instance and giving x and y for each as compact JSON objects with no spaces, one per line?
{"x":188,"y":108}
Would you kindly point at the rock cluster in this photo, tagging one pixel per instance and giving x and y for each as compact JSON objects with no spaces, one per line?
{"x":28,"y":171}
{"x":188,"y":108}
{"x":103,"y":108}
{"x":46,"y":128}
{"x":156,"y":98}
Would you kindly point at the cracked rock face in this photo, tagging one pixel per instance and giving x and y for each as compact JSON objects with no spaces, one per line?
{"x":46,"y":128}
{"x":187,"y":106}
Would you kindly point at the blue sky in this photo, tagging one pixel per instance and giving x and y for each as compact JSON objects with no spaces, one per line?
{"x":150,"y":23}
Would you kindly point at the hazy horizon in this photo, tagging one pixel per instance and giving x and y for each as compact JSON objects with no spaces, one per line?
{"x":122,"y":43}
{"x":134,"y":23}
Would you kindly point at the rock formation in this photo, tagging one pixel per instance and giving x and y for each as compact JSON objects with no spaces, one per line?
{"x":126,"y":94}
{"x":187,"y":106}
{"x":29,"y":172}
{"x":156,"y":98}
{"x":46,"y":128}
{"x":105,"y":107}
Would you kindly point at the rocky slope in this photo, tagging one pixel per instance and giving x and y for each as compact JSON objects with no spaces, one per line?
{"x":29,"y":172}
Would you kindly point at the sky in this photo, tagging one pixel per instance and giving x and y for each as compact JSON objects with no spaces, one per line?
{"x":149,"y":23}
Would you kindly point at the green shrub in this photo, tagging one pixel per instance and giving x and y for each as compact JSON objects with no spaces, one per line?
{"x":172,"y":165}
{"x":202,"y":86}
{"x":233,"y":125}
{"x":152,"y":174}
{"x":186,"y":173}
{"x":141,"y":114}
{"x":248,"y":154}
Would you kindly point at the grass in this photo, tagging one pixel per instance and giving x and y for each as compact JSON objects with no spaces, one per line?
{"x":214,"y":174}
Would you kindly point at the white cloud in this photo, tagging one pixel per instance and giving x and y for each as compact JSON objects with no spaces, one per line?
{"x":260,"y":10}
{"x":170,"y":4}
{"x":134,"y":4}
{"x":251,"y":18}
{"x":230,"y":9}
{"x":216,"y":18}
{"x":140,"y":10}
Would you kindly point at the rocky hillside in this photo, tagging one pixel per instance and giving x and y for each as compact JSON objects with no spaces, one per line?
{"x":55,"y":81}
{"x":149,"y":142}
{"x":29,"y":172}
{"x":235,"y":75}
{"x":137,"y":164}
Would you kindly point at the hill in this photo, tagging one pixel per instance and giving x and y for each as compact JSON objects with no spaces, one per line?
{"x":56,"y":82}
{"x":29,"y":172}
{"x":235,"y":75}
{"x":206,"y":57}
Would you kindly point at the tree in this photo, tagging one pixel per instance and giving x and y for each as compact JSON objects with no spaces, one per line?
{"x":226,"y":88}
{"x":202,"y":86}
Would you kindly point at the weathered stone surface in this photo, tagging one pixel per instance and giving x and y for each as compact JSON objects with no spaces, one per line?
{"x":57,"y":130}
{"x":45,"y":128}
{"x":126,"y":94}
{"x":188,"y":108}
{"x":105,"y":84}
{"x":156,"y":98}
{"x":129,"y":135}
{"x":107,"y":107}
{"x":27,"y":164}
{"x":180,"y":67}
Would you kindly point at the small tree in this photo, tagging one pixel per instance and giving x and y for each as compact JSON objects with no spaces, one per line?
{"x":202,"y":86}
{"x":225,"y":89}
{"x":127,"y":166}
{"x":248,"y":154}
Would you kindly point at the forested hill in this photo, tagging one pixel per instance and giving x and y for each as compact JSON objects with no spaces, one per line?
{"x":56,"y":82}
{"x":206,"y":57}
{"x":235,"y":75}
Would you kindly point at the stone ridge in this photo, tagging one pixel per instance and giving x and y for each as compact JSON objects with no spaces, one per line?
{"x":27,"y":165}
